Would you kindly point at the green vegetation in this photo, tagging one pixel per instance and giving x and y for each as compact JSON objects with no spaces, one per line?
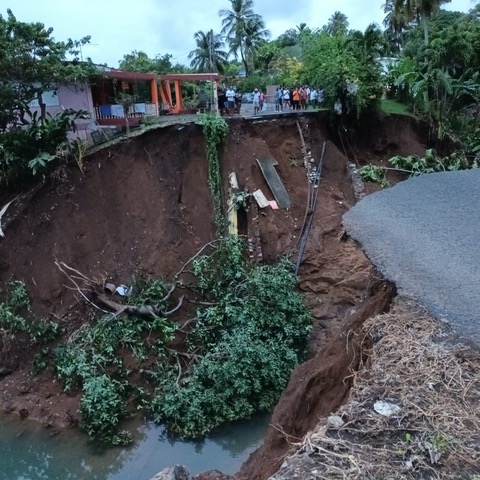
{"x":95,"y":361}
{"x":215,"y":130}
{"x":436,"y":76}
{"x":208,"y":56}
{"x":138,"y":61}
{"x":414,"y":165}
{"x":375,"y":174}
{"x":33,"y":63}
{"x":243,"y":347}
{"x":249,"y":331}
{"x":344,"y":65}
{"x":394,"y":107}
{"x":244,"y":31}
{"x":12,"y":322}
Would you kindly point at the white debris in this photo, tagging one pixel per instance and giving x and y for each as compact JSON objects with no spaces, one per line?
{"x":386,"y":409}
{"x":124,"y":291}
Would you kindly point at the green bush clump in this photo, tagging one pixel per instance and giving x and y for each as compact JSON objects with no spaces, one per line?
{"x":94,"y":362}
{"x":102,"y":406}
{"x":247,"y":344}
{"x":249,"y":331}
{"x":413,"y":165}
{"x":12,"y":322}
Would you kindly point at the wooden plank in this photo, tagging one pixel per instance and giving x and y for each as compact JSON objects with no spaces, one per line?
{"x":233,"y":181}
{"x":267,"y":166}
{"x":260,"y":198}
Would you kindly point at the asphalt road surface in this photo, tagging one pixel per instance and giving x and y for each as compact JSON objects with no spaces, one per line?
{"x":423,"y":234}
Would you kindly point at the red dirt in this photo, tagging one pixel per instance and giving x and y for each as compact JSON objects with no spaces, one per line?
{"x":143,"y":206}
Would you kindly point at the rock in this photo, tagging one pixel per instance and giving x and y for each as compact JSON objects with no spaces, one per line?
{"x":334,"y":421}
{"x":24,"y":413}
{"x":212,"y":475}
{"x":179,"y":472}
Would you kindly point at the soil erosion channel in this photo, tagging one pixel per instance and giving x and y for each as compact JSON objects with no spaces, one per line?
{"x":143,"y":206}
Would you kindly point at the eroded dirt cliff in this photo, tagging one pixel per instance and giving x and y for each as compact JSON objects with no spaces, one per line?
{"x":143,"y":206}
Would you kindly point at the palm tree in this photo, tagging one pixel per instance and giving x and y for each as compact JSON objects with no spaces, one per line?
{"x":244,"y":29}
{"x":337,"y":24}
{"x":419,"y":10}
{"x":395,"y":23}
{"x":254,"y":36}
{"x":208,"y":56}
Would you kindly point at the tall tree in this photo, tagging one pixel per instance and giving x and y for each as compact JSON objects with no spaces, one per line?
{"x":395,"y":23}
{"x":208,"y":56}
{"x":139,"y":61}
{"x":417,"y":10}
{"x":244,"y":30}
{"x":337,"y":24}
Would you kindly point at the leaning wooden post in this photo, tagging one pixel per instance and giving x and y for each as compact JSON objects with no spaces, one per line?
{"x":214,"y":108}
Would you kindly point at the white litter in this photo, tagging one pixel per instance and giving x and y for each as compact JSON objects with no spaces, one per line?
{"x":386,"y":409}
{"x":124,"y":291}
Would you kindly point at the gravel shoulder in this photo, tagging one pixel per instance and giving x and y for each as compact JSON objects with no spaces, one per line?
{"x":423,"y":234}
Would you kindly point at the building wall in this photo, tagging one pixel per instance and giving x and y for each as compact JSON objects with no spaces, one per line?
{"x":76,"y":96}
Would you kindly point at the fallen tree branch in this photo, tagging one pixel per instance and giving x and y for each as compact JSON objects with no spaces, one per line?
{"x":206,"y":304}
{"x":79,"y":290}
{"x":81,"y":276}
{"x":180,"y":303}
{"x":186,"y":324}
{"x":179,"y":370}
{"x":118,"y":308}
{"x":172,"y":289}
{"x":209,"y":244}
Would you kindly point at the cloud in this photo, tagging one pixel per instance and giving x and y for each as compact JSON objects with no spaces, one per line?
{"x":160,"y":27}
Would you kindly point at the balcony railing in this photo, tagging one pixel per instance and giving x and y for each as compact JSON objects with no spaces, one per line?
{"x":113,"y":111}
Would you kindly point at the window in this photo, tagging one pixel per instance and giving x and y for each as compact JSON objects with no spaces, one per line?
{"x":50,"y":99}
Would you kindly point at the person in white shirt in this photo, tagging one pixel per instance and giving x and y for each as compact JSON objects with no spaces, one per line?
{"x":256,"y":101}
{"x":286,"y":97}
{"x":230,"y":99}
{"x":313,"y":97}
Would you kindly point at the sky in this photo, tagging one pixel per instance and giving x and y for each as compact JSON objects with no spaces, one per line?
{"x":118,"y":27}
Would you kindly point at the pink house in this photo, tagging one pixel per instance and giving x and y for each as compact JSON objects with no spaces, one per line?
{"x":100,"y":99}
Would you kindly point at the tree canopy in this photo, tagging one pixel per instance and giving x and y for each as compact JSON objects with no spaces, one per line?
{"x":208,"y":56}
{"x":138,"y":61}
{"x":31,"y":63}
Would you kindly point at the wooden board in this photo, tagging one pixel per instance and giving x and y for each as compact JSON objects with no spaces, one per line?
{"x":267,"y":166}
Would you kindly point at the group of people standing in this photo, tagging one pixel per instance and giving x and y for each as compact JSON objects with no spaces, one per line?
{"x":258,"y":100}
{"x":298,"y":98}
{"x":229,"y":100}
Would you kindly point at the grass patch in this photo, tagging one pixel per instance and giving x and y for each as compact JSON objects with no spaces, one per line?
{"x":396,"y":108}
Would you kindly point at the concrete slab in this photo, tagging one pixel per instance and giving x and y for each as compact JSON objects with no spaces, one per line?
{"x":267,"y":165}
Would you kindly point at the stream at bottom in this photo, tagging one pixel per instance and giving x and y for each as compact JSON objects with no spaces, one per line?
{"x":28,"y":452}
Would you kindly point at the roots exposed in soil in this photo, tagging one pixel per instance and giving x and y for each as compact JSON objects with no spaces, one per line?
{"x":435,"y":431}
